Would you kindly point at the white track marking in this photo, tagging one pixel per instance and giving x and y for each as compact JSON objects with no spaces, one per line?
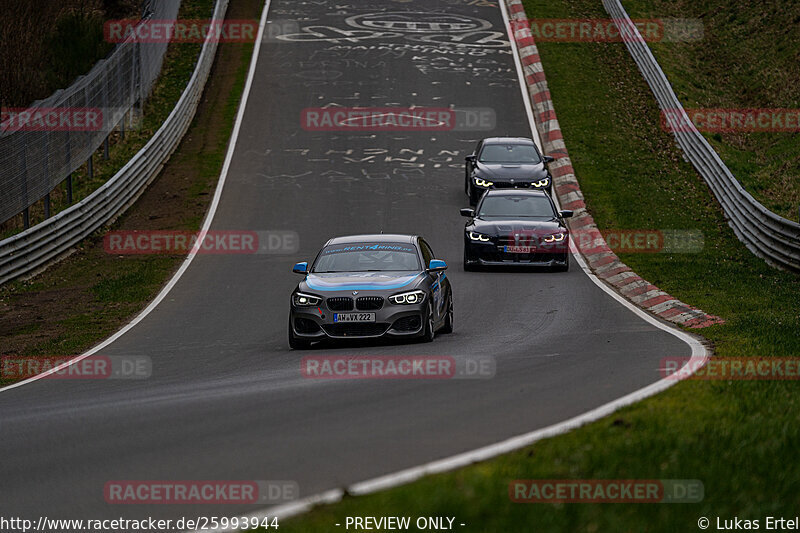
{"x":698,"y":359}
{"x":206,"y":222}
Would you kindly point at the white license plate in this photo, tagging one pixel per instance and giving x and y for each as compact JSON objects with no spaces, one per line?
{"x":354,"y":317}
{"x":518,"y":249}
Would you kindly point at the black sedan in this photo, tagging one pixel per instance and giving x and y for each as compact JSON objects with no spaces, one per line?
{"x":368,"y":286}
{"x":516,"y":228}
{"x":506,"y":162}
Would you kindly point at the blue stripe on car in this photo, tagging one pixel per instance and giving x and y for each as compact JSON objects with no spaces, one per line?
{"x":360,"y":287}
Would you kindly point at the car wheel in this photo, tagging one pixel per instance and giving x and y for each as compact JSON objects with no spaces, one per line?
{"x":563,"y":267}
{"x":448,"y":319}
{"x":294,"y":342}
{"x":469,"y":265}
{"x":473,"y":197}
{"x":429,"y":330}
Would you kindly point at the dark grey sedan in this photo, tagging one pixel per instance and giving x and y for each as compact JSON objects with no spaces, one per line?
{"x":367,"y":286}
{"x":506,"y":163}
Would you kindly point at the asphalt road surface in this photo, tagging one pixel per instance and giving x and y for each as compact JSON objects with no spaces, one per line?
{"x":226,"y":400}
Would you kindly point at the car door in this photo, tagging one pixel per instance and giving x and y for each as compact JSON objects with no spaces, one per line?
{"x":436,"y":282}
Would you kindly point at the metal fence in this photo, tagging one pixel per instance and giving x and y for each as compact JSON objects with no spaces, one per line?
{"x":765,"y":233}
{"x":33,"y":161}
{"x":34,"y":248}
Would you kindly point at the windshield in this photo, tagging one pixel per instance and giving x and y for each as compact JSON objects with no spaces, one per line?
{"x":509,"y":153}
{"x":367,"y":257}
{"x":516,"y":206}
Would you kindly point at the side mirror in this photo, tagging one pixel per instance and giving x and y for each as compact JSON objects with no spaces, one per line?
{"x":467,"y":212}
{"x":471,"y":158}
{"x":565,"y":213}
{"x":548,"y":159}
{"x":437,"y":265}
{"x":300,"y":268}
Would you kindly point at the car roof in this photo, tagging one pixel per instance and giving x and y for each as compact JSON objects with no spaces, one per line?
{"x":514,"y":192}
{"x":507,"y":140}
{"x":373,"y":237}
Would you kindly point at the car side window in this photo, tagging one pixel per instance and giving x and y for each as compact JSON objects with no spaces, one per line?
{"x":427,"y":253}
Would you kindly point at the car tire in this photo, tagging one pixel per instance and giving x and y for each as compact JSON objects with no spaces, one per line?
{"x":429,"y":329}
{"x":473,"y":197}
{"x":562,"y":267}
{"x":469,"y":266}
{"x":294,"y":342}
{"x":448,"y":319}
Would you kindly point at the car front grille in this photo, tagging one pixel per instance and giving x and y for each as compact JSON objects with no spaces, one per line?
{"x":524,"y":239}
{"x":369,"y":303}
{"x":515,"y":185}
{"x":408,"y":323}
{"x":341,"y":303}
{"x":356,"y":329}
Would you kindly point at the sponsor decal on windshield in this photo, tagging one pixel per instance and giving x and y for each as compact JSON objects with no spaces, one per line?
{"x":370,"y":247}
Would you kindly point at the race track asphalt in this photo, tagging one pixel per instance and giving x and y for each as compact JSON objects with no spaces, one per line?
{"x":226,"y":400}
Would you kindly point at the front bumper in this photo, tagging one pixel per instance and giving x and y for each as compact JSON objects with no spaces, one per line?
{"x":391,"y":320}
{"x":494,"y":254}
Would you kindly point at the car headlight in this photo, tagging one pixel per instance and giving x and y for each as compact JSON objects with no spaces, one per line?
{"x":300,"y":299}
{"x":480,"y":182}
{"x":555,"y":237}
{"x":475,"y":236}
{"x":541,"y":183}
{"x":407,"y":298}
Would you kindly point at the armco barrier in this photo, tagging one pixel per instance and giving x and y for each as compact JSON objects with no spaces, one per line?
{"x":31,"y":250}
{"x":591,"y":245}
{"x":765,"y":233}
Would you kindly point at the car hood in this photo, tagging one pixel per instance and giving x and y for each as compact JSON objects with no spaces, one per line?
{"x":360,"y":281}
{"x":515,"y":171}
{"x":540,"y":226}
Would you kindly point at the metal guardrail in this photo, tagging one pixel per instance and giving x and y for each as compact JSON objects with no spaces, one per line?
{"x":34,"y":160}
{"x":766,"y":234}
{"x":34,"y":248}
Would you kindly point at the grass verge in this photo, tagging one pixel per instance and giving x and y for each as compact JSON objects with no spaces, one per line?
{"x":737,"y":437}
{"x":746,"y":59}
{"x":81,"y":300}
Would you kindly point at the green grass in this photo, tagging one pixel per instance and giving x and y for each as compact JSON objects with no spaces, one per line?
{"x":738,"y":438}
{"x":134,"y":284}
{"x":747,"y":58}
